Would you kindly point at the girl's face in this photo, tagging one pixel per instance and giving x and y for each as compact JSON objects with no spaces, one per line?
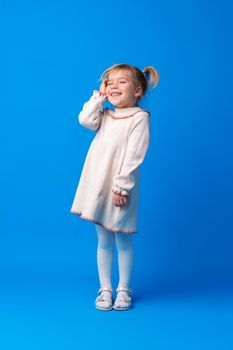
{"x":121,"y":90}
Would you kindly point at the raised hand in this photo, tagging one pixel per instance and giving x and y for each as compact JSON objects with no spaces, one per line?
{"x":103,"y":89}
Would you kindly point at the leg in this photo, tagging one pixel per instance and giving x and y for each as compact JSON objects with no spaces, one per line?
{"x":124,"y":243}
{"x":105,"y":250}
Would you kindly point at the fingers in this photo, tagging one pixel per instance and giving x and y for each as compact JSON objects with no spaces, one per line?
{"x":105,"y":98}
{"x":120,"y":201}
{"x":103,"y":86}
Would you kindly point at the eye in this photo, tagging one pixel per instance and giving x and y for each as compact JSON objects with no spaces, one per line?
{"x":122,"y":82}
{"x":108,"y":83}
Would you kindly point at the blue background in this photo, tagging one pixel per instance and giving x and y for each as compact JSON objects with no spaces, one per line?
{"x":53,"y":53}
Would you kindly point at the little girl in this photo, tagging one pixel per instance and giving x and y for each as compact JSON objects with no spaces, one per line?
{"x":108,"y":188}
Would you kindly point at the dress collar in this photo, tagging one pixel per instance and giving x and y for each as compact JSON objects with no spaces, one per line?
{"x":123,"y":112}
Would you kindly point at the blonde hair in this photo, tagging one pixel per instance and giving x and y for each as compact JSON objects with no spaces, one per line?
{"x":147,"y":78}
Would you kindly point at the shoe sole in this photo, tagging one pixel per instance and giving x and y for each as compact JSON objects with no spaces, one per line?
{"x":103,"y":309}
{"x":122,"y":308}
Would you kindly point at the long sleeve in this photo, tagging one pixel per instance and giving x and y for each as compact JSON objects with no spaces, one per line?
{"x":90,"y":115}
{"x":138,"y":143}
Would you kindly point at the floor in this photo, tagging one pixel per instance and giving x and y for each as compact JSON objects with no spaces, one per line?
{"x":57,"y":312}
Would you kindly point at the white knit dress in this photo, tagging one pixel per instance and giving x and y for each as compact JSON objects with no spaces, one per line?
{"x":112,"y":164}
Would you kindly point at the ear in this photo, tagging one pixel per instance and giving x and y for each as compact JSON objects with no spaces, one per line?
{"x":138,"y":91}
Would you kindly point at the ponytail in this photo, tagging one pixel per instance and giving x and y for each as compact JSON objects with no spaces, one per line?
{"x":152,"y":76}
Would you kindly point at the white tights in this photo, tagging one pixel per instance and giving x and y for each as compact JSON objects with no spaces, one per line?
{"x":105,"y":251}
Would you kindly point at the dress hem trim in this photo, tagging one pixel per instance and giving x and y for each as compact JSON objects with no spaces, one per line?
{"x":99,"y":223}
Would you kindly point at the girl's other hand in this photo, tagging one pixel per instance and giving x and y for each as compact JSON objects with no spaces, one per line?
{"x":119,"y":200}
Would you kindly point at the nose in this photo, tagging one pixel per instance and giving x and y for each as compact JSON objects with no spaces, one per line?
{"x":115,"y":83}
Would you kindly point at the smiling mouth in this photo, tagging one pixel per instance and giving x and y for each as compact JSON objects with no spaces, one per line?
{"x":113,"y":94}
